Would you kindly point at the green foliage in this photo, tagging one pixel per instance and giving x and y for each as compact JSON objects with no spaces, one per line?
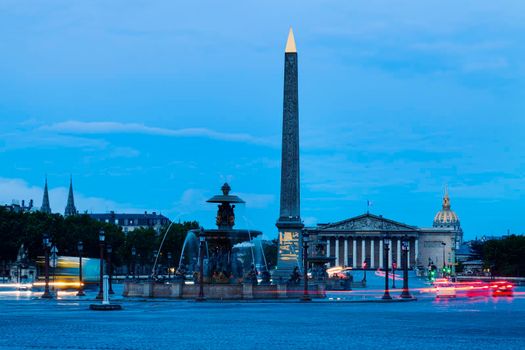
{"x":270,"y":249}
{"x":505,"y":257}
{"x":28,"y":228}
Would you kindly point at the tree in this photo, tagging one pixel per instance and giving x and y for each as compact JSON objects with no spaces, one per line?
{"x":505,"y":257}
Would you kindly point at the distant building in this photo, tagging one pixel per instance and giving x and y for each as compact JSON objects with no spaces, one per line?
{"x":465,"y":252}
{"x":22,"y":270}
{"x":130,"y":222}
{"x":357,"y":240}
{"x":16,"y":207}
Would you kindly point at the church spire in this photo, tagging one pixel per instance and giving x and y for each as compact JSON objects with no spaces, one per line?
{"x":446,"y":199}
{"x":45,"y":201}
{"x":70,"y":207}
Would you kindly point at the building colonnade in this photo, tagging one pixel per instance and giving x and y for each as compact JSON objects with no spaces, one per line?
{"x":353,"y":251}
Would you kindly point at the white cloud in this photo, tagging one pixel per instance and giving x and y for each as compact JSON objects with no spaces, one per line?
{"x":191,"y":201}
{"x":124,"y":152}
{"x":45,"y":139}
{"x":84,"y":128}
{"x":257,"y":200}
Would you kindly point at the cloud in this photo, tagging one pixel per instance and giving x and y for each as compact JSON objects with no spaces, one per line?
{"x":124,"y":152}
{"x":38,"y":138}
{"x":191,"y":201}
{"x":84,"y":128}
{"x":257,"y":200}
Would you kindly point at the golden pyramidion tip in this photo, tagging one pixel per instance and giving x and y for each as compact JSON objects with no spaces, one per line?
{"x":290,"y":43}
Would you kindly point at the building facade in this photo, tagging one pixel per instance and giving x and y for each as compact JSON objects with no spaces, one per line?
{"x":130,"y":222}
{"x":359,"y":240}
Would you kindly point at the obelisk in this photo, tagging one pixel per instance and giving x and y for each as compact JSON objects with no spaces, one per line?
{"x":289,"y":223}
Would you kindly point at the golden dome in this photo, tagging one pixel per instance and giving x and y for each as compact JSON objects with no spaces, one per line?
{"x":446,"y":217}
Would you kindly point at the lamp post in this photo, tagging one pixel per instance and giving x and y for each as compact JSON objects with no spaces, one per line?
{"x":305,"y":296}
{"x":53,"y":262}
{"x":443,"y":244}
{"x":394,"y":267}
{"x":109,"y":250}
{"x":386,"y":243}
{"x":153,"y":270}
{"x":80,"y":248}
{"x":201,"y":267}
{"x":101,"y":239}
{"x":140,"y":265}
{"x":169,"y":265}
{"x":405,"y":246}
{"x":133,"y":254}
{"x":45,"y":244}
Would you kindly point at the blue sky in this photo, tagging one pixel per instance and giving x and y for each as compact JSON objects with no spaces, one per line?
{"x":152,"y":105}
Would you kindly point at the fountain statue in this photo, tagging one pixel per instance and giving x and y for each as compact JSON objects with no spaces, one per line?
{"x":318,"y":259}
{"x":225,"y":264}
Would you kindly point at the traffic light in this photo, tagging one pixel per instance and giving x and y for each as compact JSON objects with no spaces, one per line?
{"x":364,"y":265}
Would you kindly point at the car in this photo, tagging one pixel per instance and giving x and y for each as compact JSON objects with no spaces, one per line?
{"x":444,"y":288}
{"x":502,"y":289}
{"x":473,"y":289}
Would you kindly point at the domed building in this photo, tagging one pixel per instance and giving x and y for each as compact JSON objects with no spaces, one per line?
{"x":359,"y":241}
{"x":446,"y":217}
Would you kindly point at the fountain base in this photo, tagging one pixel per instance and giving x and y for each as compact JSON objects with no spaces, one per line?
{"x":244,"y":291}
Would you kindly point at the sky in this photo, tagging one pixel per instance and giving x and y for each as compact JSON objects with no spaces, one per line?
{"x":153,"y":105}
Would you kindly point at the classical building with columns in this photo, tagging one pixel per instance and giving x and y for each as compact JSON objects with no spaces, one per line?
{"x":360,"y":239}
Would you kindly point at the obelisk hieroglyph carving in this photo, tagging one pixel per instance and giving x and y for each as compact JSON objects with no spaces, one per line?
{"x":289,"y":223}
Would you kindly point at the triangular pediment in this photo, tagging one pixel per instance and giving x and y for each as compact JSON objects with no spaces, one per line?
{"x":367,"y":222}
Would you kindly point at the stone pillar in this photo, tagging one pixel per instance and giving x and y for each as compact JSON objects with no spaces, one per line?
{"x":372,"y":255}
{"x":337,"y":251}
{"x":328,"y":249}
{"x":363,"y":251}
{"x":289,"y":223}
{"x":247,"y":291}
{"x":398,"y":259}
{"x":281,"y":291}
{"x":345,"y":255}
{"x":148,"y":290}
{"x":416,"y":250}
{"x":381,"y":253}
{"x":176,"y":289}
{"x":354,"y":253}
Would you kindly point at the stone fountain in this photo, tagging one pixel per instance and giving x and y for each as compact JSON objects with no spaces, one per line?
{"x":228,"y":273}
{"x":224,"y":265}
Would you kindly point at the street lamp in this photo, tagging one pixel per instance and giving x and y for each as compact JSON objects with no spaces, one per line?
{"x":109,"y":250}
{"x":45,"y":244}
{"x":305,"y":297}
{"x":153,"y":270}
{"x":169,"y":265}
{"x":101,"y":239}
{"x":53,"y":262}
{"x":133,"y":254}
{"x":386,"y":243}
{"x":405,"y":246}
{"x":80,"y":247}
{"x":394,"y":267}
{"x":443,"y":244}
{"x":201,"y":266}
